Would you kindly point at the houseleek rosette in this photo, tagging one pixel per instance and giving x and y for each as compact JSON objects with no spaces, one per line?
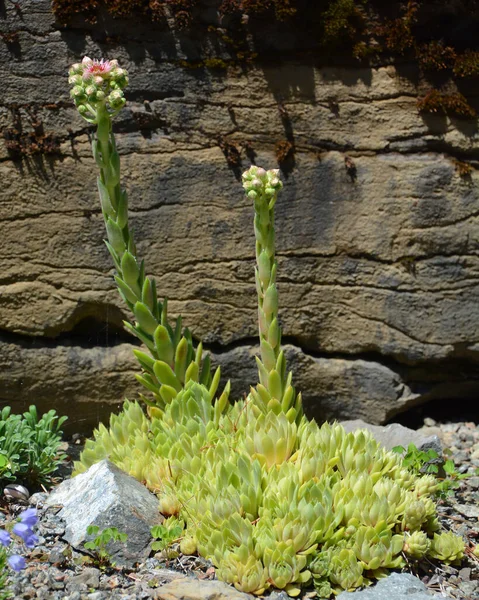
{"x":274,"y":392}
{"x":272,"y":499}
{"x":98,"y":92}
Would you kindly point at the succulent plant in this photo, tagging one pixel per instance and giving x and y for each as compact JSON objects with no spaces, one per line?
{"x":270,"y":497}
{"x":274,"y":392}
{"x":417,"y":544}
{"x":97,"y":90}
{"x":447,"y":547}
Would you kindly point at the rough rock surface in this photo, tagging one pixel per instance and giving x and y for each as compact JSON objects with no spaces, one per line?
{"x":191,"y":589}
{"x":106,"y":497}
{"x":379,"y":261}
{"x":396,"y":435}
{"x":397,"y":586}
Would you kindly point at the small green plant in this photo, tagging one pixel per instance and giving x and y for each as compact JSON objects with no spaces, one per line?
{"x":29,"y":446}
{"x":418,"y":461}
{"x":98,"y":546}
{"x":166,"y":535}
{"x":428,"y":461}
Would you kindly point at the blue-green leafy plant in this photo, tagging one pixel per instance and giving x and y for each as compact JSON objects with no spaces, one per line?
{"x":29,"y":446}
{"x":98,"y":546}
{"x":428,"y":461}
{"x":166,"y":535}
{"x":270,"y":497}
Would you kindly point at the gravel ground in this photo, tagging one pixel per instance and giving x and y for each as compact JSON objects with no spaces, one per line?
{"x":56,"y":572}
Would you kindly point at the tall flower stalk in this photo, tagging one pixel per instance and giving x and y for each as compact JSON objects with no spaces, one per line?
{"x":275,"y":391}
{"x":97,"y":90}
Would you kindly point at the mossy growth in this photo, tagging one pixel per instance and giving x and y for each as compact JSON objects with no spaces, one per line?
{"x":467,"y":64}
{"x":29,"y":141}
{"x":452,"y":104}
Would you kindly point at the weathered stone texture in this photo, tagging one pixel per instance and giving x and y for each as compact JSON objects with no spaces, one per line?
{"x":379,"y":263}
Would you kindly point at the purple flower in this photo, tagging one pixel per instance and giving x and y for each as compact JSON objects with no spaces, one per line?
{"x":31,"y":540}
{"x":16,"y":562}
{"x":27,"y":535}
{"x":29,"y":517}
{"x":5,"y":538}
{"x":22,"y":530}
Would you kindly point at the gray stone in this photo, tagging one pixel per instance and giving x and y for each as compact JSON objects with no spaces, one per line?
{"x":89,"y":577}
{"x":193,"y":589}
{"x":468,"y":510}
{"x":96,"y":596}
{"x":107,"y":497}
{"x":395,"y":434}
{"x":398,"y":586}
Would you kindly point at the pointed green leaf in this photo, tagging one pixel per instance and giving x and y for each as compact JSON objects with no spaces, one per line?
{"x":168,"y":393}
{"x":192,"y":372}
{"x":106,"y":205}
{"x":130,"y":270}
{"x":264,"y":268}
{"x":270,"y":302}
{"x":140,"y":335}
{"x":166,"y":376}
{"x":268,"y":356}
{"x":288,"y":398}
{"x":115,"y":236}
{"x":163,"y":344}
{"x":215,"y":383}
{"x":164,"y":313}
{"x":206,"y":371}
{"x":126,"y":290}
{"x":180,"y":358}
{"x":274,"y":333}
{"x":263,"y":393}
{"x":144,"y":317}
{"x":147,"y":296}
{"x":274,"y":384}
{"x":96,"y":153}
{"x":114,"y":255}
{"x":145,"y":360}
{"x":147,"y":383}
{"x":122,"y":210}
{"x":262,"y":372}
{"x":114,"y":168}
{"x":199,"y":354}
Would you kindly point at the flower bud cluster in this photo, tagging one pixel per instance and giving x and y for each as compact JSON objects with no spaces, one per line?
{"x":97,"y":81}
{"x":258,"y":183}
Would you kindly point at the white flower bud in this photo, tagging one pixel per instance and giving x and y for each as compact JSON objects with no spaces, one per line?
{"x":116,"y":99}
{"x":90,"y":91}
{"x":75,"y":80}
{"x":77,"y":92}
{"x":76,"y":69}
{"x":86,"y":61}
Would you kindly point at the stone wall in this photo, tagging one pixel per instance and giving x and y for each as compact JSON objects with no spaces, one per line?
{"x":377,"y":228}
